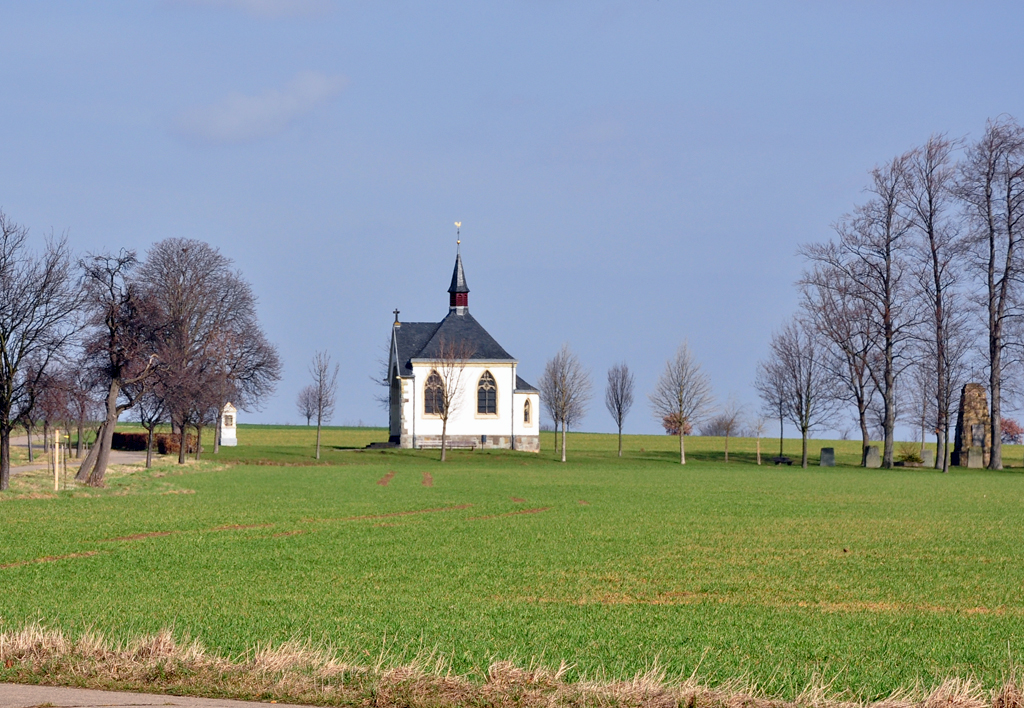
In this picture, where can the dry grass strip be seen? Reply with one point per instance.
(457, 507)
(241, 527)
(139, 536)
(428, 479)
(383, 481)
(49, 559)
(299, 673)
(538, 510)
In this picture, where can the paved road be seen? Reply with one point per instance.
(14, 695)
(117, 457)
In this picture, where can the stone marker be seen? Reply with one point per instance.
(828, 457)
(973, 428)
(873, 459)
(975, 458)
(927, 458)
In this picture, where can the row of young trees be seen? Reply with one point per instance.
(918, 290)
(174, 336)
(681, 398)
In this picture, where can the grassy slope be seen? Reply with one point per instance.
(877, 578)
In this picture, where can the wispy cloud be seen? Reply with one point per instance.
(240, 118)
(267, 8)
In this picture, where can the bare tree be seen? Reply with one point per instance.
(757, 427)
(795, 381)
(39, 301)
(53, 403)
(566, 389)
(873, 255)
(931, 206)
(916, 394)
(383, 377)
(245, 370)
(991, 187)
(151, 412)
(618, 395)
(325, 387)
(208, 341)
(443, 389)
(306, 403)
(730, 419)
(206, 407)
(683, 393)
(119, 348)
(548, 393)
(835, 308)
(83, 400)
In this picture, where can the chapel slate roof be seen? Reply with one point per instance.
(464, 328)
(410, 338)
(521, 385)
(422, 340)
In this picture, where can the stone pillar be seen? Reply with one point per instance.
(973, 429)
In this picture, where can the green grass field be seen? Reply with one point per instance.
(871, 579)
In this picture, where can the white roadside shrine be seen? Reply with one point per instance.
(228, 422)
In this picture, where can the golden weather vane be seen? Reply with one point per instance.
(458, 229)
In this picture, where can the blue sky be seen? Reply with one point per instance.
(628, 174)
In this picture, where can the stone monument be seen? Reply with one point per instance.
(228, 422)
(973, 428)
(873, 459)
(828, 457)
(927, 458)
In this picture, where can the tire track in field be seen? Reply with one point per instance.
(134, 537)
(49, 559)
(158, 534)
(370, 517)
(692, 598)
(538, 510)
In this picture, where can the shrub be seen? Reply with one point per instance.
(164, 443)
(909, 452)
(1012, 432)
(671, 425)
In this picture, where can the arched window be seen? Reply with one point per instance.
(487, 395)
(433, 395)
(526, 411)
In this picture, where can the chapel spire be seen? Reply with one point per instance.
(458, 291)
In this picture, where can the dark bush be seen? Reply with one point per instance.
(164, 443)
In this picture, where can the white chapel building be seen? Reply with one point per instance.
(495, 408)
